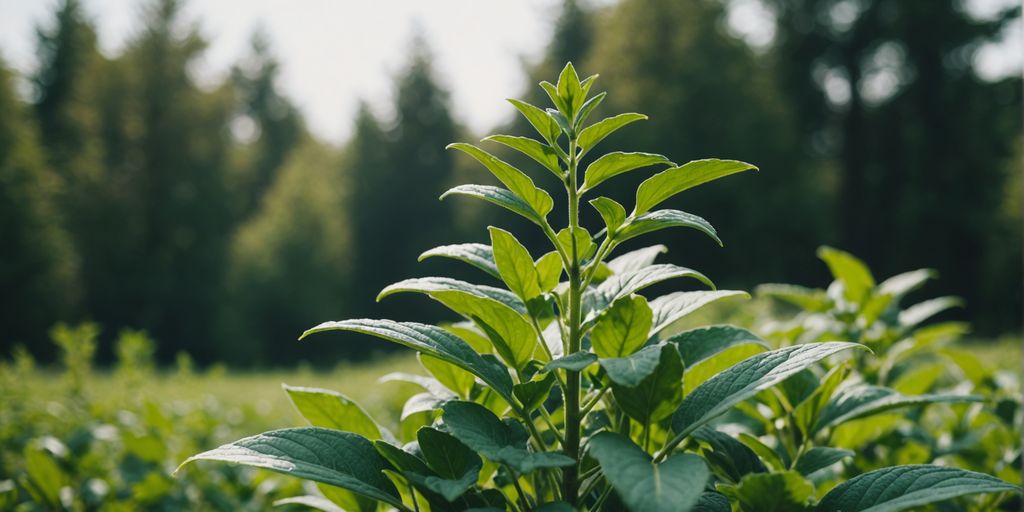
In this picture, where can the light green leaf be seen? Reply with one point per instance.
(555, 98)
(539, 152)
(744, 380)
(517, 181)
(613, 164)
(636, 260)
(570, 90)
(341, 459)
(514, 264)
(700, 372)
(767, 453)
(499, 196)
(503, 443)
(539, 119)
(904, 487)
(585, 246)
(330, 409)
(611, 212)
(576, 361)
(670, 182)
(595, 133)
(429, 340)
(658, 394)
(588, 107)
(622, 285)
(820, 457)
(437, 286)
(549, 271)
(865, 400)
(852, 272)
(452, 377)
(901, 284)
(622, 329)
(696, 345)
(45, 475)
(924, 310)
(670, 308)
(663, 219)
(672, 486)
(809, 299)
(480, 256)
(774, 492)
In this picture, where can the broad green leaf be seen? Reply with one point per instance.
(636, 260)
(503, 443)
(699, 372)
(585, 246)
(924, 310)
(401, 458)
(613, 164)
(533, 393)
(670, 182)
(622, 329)
(549, 271)
(619, 286)
(630, 371)
(727, 456)
(341, 459)
(852, 272)
(901, 284)
(570, 90)
(429, 340)
(454, 378)
(502, 197)
(768, 454)
(595, 133)
(330, 409)
(659, 393)
(820, 457)
(858, 433)
(671, 486)
(904, 487)
(422, 403)
(744, 380)
(663, 219)
(456, 466)
(576, 361)
(479, 255)
(696, 345)
(517, 181)
(774, 492)
(514, 264)
(45, 475)
(712, 502)
(539, 152)
(441, 287)
(539, 119)
(611, 212)
(809, 299)
(670, 308)
(864, 400)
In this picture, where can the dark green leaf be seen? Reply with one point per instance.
(701, 343)
(479, 255)
(672, 486)
(774, 492)
(865, 400)
(576, 361)
(727, 456)
(903, 487)
(636, 260)
(533, 393)
(670, 182)
(630, 371)
(818, 458)
(613, 164)
(619, 286)
(712, 502)
(456, 466)
(656, 396)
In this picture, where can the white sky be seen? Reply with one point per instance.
(334, 52)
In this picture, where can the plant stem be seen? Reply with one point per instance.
(570, 474)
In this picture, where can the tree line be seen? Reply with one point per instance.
(212, 218)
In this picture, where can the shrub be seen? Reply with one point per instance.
(577, 394)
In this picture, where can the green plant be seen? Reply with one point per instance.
(578, 394)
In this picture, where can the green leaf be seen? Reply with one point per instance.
(924, 310)
(575, 362)
(820, 457)
(767, 453)
(630, 371)
(400, 458)
(341, 459)
(539, 119)
(584, 243)
(672, 181)
(744, 380)
(533, 393)
(619, 286)
(314, 502)
(514, 264)
(480, 256)
(501, 442)
(864, 400)
(429, 340)
(852, 272)
(636, 260)
(549, 271)
(727, 456)
(588, 107)
(618, 162)
(672, 486)
(45, 475)
(499, 196)
(696, 345)
(902, 284)
(570, 90)
(808, 299)
(659, 393)
(555, 97)
(622, 329)
(611, 212)
(452, 377)
(663, 219)
(440, 288)
(903, 487)
(457, 467)
(517, 181)
(713, 502)
(595, 133)
(670, 308)
(330, 409)
(774, 492)
(539, 152)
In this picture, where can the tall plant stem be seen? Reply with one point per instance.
(570, 474)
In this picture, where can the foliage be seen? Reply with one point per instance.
(578, 394)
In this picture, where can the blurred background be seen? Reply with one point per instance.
(224, 175)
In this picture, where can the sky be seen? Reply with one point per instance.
(479, 46)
